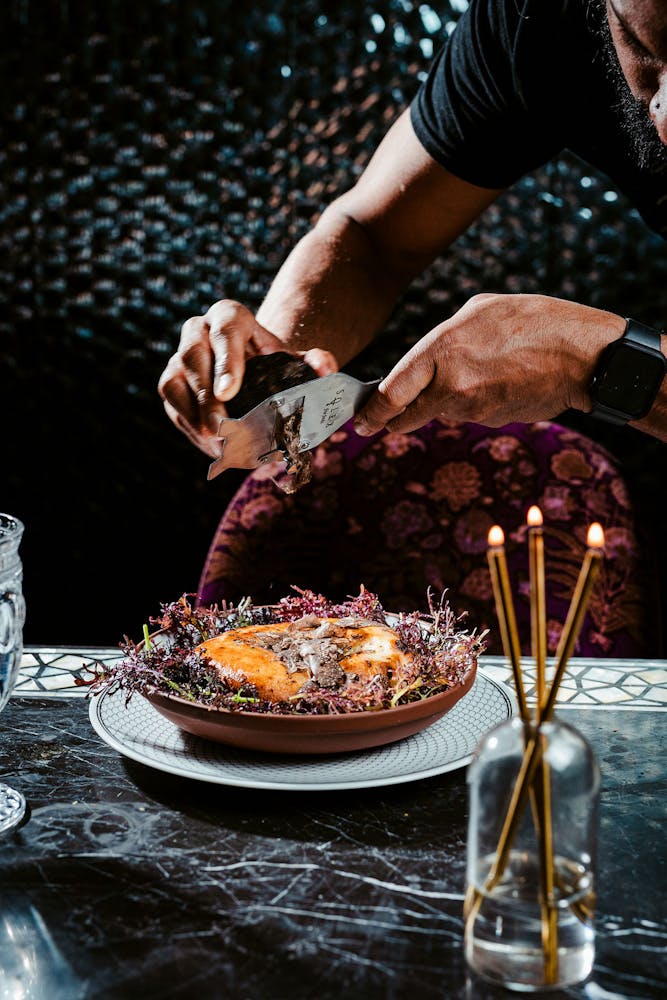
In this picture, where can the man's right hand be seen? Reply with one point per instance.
(207, 369)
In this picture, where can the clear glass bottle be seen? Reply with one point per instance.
(531, 884)
(12, 617)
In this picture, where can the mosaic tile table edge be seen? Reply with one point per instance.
(59, 671)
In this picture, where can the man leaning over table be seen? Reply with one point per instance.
(517, 82)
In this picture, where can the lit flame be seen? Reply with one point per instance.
(534, 517)
(595, 537)
(496, 535)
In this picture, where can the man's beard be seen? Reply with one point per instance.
(645, 143)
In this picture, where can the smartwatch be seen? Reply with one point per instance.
(628, 375)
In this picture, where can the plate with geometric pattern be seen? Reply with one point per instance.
(139, 731)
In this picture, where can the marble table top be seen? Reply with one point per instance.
(126, 881)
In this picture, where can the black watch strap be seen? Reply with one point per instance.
(628, 376)
(608, 415)
(637, 333)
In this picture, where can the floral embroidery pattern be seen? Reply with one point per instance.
(570, 464)
(404, 519)
(471, 531)
(261, 508)
(400, 513)
(503, 447)
(456, 482)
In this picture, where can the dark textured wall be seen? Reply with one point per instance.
(159, 155)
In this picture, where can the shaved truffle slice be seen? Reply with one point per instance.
(298, 463)
(265, 375)
(283, 659)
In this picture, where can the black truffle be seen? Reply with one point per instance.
(265, 375)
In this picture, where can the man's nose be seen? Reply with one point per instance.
(658, 108)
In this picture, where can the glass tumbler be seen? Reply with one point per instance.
(12, 617)
(531, 883)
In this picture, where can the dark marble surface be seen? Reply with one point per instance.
(127, 882)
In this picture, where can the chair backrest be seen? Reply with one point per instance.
(404, 513)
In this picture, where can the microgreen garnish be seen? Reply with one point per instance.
(441, 654)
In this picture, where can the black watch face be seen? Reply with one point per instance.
(630, 381)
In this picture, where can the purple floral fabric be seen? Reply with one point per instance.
(402, 513)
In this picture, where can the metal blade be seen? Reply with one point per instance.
(330, 402)
(326, 404)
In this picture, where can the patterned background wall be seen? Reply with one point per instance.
(159, 155)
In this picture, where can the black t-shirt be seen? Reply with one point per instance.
(519, 81)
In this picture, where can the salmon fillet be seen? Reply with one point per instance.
(279, 659)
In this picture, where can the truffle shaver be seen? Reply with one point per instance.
(325, 404)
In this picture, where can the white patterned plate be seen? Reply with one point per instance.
(140, 732)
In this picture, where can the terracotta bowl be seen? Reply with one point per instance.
(309, 734)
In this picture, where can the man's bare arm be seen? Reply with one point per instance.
(337, 287)
(342, 281)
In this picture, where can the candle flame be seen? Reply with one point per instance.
(595, 537)
(534, 517)
(496, 535)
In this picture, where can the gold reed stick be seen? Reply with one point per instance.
(505, 612)
(541, 795)
(547, 875)
(510, 640)
(575, 615)
(538, 604)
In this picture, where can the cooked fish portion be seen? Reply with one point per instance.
(281, 659)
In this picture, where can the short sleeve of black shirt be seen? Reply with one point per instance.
(521, 80)
(491, 108)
